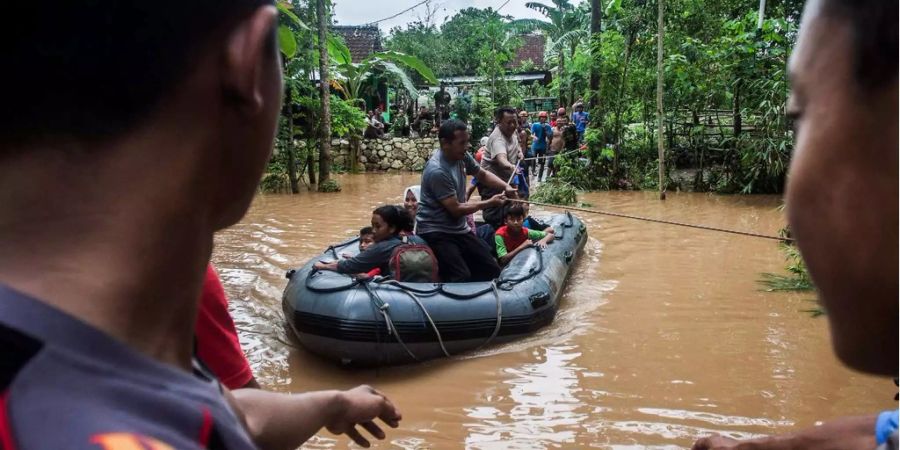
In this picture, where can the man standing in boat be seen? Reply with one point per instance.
(441, 218)
(501, 158)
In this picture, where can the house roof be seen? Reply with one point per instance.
(361, 40)
(532, 49)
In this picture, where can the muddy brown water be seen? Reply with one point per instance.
(663, 334)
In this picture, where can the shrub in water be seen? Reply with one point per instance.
(555, 192)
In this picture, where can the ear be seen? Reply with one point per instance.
(248, 49)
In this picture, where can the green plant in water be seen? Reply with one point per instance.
(555, 192)
(330, 186)
(798, 279)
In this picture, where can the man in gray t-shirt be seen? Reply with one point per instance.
(441, 219)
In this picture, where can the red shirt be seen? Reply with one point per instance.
(217, 340)
(512, 241)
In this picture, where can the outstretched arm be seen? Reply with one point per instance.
(493, 181)
(277, 421)
(457, 209)
(843, 433)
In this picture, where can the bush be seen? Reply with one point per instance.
(555, 192)
(330, 186)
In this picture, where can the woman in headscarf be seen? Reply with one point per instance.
(411, 203)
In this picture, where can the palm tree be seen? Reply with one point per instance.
(564, 27)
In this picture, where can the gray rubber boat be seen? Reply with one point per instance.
(383, 322)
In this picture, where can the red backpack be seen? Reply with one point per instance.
(413, 263)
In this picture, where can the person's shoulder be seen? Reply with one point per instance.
(113, 407)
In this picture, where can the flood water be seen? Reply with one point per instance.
(663, 334)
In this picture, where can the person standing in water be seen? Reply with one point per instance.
(543, 137)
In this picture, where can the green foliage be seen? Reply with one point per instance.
(352, 76)
(555, 192)
(330, 186)
(797, 279)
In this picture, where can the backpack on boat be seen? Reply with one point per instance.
(413, 263)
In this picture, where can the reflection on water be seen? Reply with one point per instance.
(662, 334)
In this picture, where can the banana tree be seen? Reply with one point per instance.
(350, 77)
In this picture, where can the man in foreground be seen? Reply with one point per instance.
(842, 200)
(441, 219)
(112, 184)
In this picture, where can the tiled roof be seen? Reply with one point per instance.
(532, 49)
(362, 41)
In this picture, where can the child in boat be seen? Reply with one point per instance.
(366, 239)
(388, 224)
(512, 238)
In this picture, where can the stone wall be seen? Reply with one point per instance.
(386, 154)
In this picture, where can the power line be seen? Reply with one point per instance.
(501, 6)
(399, 13)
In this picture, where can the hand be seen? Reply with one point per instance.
(361, 406)
(511, 192)
(716, 442)
(526, 244)
(542, 245)
(320, 266)
(346, 255)
(496, 201)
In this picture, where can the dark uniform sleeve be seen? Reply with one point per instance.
(375, 256)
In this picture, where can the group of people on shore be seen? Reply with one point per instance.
(113, 183)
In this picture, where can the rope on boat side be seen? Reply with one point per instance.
(650, 219)
(499, 315)
(383, 309)
(430, 321)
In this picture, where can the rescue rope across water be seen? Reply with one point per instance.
(650, 219)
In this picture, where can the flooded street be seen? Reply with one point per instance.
(663, 334)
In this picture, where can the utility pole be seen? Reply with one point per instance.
(596, 11)
(325, 92)
(660, 85)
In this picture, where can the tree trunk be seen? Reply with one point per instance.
(736, 123)
(572, 96)
(660, 130)
(354, 153)
(291, 150)
(762, 14)
(325, 92)
(310, 165)
(621, 100)
(560, 73)
(594, 84)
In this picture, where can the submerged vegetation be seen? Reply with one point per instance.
(555, 192)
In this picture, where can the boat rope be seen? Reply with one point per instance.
(434, 327)
(383, 308)
(535, 158)
(499, 316)
(654, 220)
